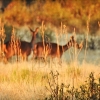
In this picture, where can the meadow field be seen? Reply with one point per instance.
(36, 80)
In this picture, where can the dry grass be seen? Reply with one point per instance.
(26, 80)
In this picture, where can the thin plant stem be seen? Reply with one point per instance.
(86, 38)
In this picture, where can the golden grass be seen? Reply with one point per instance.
(27, 80)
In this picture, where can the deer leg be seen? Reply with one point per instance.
(51, 60)
(25, 58)
(44, 60)
(5, 60)
(34, 57)
(60, 62)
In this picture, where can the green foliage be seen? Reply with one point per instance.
(88, 91)
(22, 75)
(8, 31)
(25, 75)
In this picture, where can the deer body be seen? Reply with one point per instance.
(25, 48)
(53, 49)
(22, 48)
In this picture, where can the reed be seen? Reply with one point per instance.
(2, 38)
(86, 44)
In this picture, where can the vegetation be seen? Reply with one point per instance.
(20, 81)
(35, 80)
(88, 91)
(72, 13)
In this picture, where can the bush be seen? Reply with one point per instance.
(88, 91)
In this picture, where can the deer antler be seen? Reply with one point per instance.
(31, 29)
(35, 29)
(34, 32)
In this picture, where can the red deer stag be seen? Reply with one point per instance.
(23, 47)
(42, 50)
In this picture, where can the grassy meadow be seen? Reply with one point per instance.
(31, 80)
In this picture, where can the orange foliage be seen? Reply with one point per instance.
(17, 13)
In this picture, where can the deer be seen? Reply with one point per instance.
(42, 50)
(22, 47)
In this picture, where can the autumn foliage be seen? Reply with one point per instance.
(72, 13)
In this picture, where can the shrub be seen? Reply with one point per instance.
(88, 91)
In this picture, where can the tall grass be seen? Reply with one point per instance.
(26, 81)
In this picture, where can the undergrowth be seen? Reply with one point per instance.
(89, 90)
